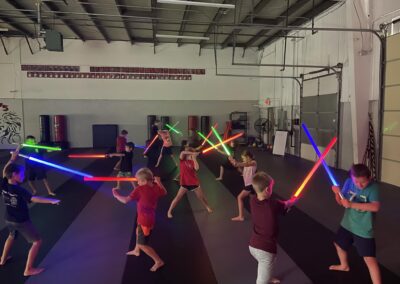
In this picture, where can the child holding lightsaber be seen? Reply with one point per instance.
(188, 179)
(34, 171)
(126, 165)
(146, 194)
(16, 200)
(249, 166)
(167, 146)
(360, 198)
(264, 216)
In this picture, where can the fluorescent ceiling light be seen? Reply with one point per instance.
(183, 37)
(193, 3)
(3, 30)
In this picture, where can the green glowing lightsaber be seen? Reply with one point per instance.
(220, 140)
(173, 129)
(42, 147)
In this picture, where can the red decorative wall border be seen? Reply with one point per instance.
(51, 68)
(91, 75)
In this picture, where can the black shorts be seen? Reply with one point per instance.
(36, 173)
(26, 229)
(365, 246)
(141, 238)
(250, 189)
(167, 151)
(190, 187)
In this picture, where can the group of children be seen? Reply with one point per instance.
(359, 197)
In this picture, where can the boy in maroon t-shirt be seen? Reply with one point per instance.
(147, 195)
(189, 181)
(264, 216)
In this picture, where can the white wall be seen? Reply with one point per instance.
(125, 102)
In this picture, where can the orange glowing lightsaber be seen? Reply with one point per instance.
(87, 156)
(224, 142)
(151, 143)
(109, 179)
(209, 134)
(315, 167)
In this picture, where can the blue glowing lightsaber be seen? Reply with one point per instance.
(55, 166)
(327, 169)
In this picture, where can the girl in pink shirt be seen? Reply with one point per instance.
(249, 166)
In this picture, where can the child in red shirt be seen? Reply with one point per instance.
(120, 146)
(189, 181)
(147, 195)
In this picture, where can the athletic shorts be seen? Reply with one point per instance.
(250, 189)
(365, 246)
(167, 151)
(190, 187)
(124, 174)
(142, 238)
(26, 229)
(36, 173)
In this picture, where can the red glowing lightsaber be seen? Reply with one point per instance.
(316, 165)
(224, 142)
(87, 156)
(209, 134)
(109, 179)
(151, 143)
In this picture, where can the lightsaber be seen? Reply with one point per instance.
(151, 143)
(327, 169)
(54, 166)
(41, 147)
(209, 134)
(207, 140)
(315, 167)
(220, 140)
(109, 179)
(224, 142)
(173, 129)
(87, 156)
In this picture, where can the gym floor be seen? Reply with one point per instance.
(86, 237)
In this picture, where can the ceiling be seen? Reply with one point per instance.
(254, 23)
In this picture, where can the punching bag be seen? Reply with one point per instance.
(150, 122)
(44, 122)
(60, 130)
(192, 127)
(164, 121)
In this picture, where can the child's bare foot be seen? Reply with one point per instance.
(209, 210)
(275, 281)
(135, 252)
(238, 219)
(156, 266)
(218, 178)
(3, 262)
(33, 271)
(169, 214)
(52, 193)
(339, 267)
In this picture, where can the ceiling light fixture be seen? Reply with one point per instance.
(192, 3)
(183, 37)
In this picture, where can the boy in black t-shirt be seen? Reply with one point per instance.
(16, 200)
(126, 162)
(152, 158)
(35, 171)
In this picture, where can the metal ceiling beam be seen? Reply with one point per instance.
(281, 20)
(122, 11)
(229, 38)
(18, 27)
(53, 8)
(30, 15)
(183, 24)
(218, 16)
(249, 19)
(302, 20)
(88, 9)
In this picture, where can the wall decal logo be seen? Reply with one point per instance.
(10, 125)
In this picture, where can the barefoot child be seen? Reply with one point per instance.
(35, 171)
(361, 200)
(147, 195)
(152, 158)
(16, 200)
(126, 165)
(264, 216)
(166, 149)
(120, 146)
(188, 179)
(249, 170)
